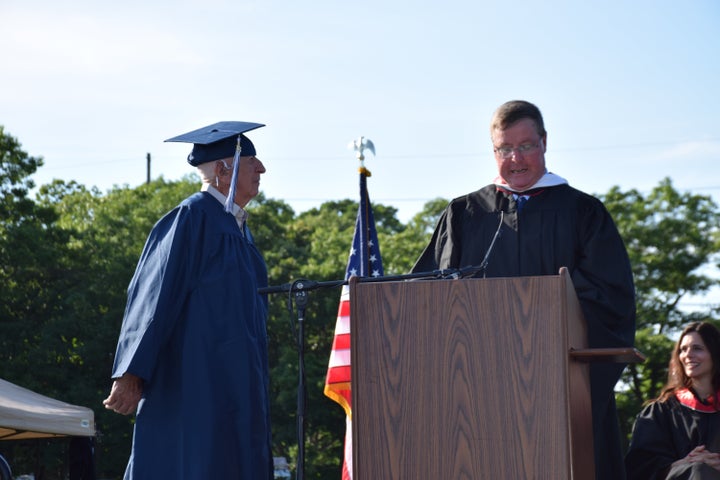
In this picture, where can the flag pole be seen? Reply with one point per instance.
(363, 262)
(360, 145)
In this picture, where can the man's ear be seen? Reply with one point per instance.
(220, 169)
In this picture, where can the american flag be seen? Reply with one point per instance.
(364, 261)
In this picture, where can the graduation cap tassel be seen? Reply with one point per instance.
(236, 165)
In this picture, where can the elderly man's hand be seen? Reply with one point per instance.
(125, 394)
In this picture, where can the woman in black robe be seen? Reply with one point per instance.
(677, 435)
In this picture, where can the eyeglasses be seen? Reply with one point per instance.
(523, 148)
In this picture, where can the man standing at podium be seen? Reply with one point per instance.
(545, 224)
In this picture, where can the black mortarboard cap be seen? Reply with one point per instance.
(217, 141)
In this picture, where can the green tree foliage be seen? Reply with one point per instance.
(16, 167)
(66, 258)
(673, 240)
(31, 273)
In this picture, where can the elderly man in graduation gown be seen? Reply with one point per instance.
(547, 224)
(192, 353)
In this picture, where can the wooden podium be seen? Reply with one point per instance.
(471, 379)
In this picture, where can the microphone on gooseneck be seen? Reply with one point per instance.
(470, 271)
(485, 261)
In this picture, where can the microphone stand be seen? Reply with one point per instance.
(301, 301)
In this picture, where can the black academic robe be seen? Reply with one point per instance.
(558, 227)
(665, 432)
(195, 332)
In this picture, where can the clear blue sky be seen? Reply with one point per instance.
(629, 90)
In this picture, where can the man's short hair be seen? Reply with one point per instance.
(510, 112)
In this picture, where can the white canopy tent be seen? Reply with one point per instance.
(25, 414)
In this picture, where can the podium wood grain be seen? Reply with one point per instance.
(469, 379)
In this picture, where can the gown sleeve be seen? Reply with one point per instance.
(156, 294)
(430, 260)
(653, 445)
(603, 280)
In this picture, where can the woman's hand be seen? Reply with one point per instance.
(700, 454)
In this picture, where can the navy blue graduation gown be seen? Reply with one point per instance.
(558, 226)
(195, 332)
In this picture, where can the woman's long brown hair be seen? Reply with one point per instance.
(677, 379)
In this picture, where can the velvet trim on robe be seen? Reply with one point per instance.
(559, 227)
(689, 398)
(665, 432)
(195, 331)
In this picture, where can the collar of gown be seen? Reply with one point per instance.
(238, 212)
(547, 180)
(688, 398)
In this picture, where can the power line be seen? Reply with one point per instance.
(424, 155)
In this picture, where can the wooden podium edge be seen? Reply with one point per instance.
(608, 355)
(589, 355)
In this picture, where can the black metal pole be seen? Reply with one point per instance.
(301, 301)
